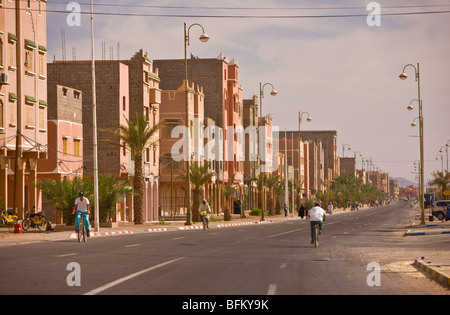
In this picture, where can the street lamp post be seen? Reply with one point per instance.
(308, 119)
(403, 76)
(203, 38)
(343, 149)
(261, 96)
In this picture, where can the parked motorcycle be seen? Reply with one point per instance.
(34, 220)
(8, 218)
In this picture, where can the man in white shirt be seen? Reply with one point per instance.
(82, 207)
(316, 214)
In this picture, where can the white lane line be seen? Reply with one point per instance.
(66, 255)
(333, 222)
(133, 275)
(283, 265)
(134, 245)
(177, 238)
(284, 233)
(272, 289)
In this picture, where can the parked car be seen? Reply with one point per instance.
(440, 209)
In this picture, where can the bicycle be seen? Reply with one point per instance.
(204, 217)
(316, 233)
(81, 232)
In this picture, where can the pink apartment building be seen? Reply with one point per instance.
(65, 140)
(219, 78)
(125, 88)
(23, 100)
(172, 144)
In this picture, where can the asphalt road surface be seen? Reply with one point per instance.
(266, 259)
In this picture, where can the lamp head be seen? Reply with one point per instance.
(309, 119)
(413, 124)
(274, 92)
(403, 76)
(204, 38)
(410, 108)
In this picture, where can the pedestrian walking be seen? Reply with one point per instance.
(285, 210)
(301, 212)
(330, 207)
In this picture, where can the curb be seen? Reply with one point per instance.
(192, 227)
(410, 233)
(156, 230)
(234, 224)
(97, 234)
(434, 272)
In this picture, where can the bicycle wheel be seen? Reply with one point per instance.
(204, 222)
(316, 236)
(43, 225)
(80, 230)
(26, 223)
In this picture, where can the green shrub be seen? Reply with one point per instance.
(255, 212)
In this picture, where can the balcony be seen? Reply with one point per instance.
(155, 96)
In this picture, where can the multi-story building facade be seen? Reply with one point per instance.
(23, 101)
(173, 199)
(251, 163)
(223, 103)
(348, 165)
(124, 89)
(65, 140)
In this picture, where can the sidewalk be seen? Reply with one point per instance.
(436, 266)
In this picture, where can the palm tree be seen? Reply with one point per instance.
(135, 137)
(260, 182)
(271, 181)
(199, 176)
(278, 190)
(441, 180)
(346, 187)
(228, 191)
(62, 194)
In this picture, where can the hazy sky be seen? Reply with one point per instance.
(341, 71)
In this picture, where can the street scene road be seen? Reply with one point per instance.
(264, 259)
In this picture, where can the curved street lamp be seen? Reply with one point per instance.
(404, 76)
(203, 38)
(261, 96)
(343, 149)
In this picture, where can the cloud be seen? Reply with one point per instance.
(340, 70)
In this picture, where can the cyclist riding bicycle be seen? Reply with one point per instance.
(316, 216)
(204, 212)
(82, 208)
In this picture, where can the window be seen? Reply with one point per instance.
(41, 118)
(29, 112)
(1, 52)
(41, 64)
(65, 142)
(1, 114)
(124, 103)
(147, 155)
(29, 59)
(11, 55)
(12, 114)
(76, 147)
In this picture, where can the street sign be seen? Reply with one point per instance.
(446, 192)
